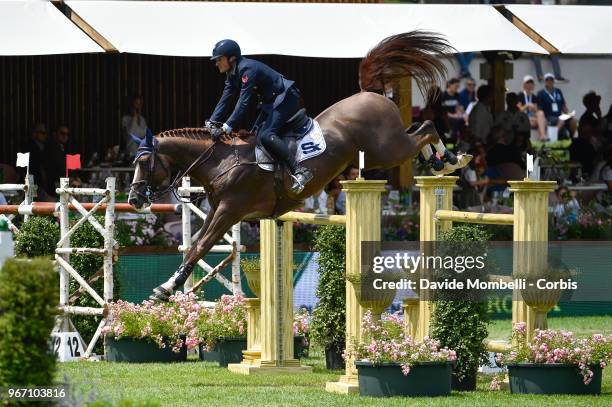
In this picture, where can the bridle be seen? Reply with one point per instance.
(151, 195)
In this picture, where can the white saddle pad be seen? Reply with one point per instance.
(311, 145)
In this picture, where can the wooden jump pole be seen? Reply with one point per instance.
(530, 228)
(51, 208)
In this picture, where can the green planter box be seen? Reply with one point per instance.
(230, 350)
(141, 351)
(208, 356)
(532, 378)
(427, 379)
(301, 347)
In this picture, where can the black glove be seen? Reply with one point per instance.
(216, 133)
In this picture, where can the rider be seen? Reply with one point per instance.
(279, 100)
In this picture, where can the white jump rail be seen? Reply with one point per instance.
(28, 192)
(232, 239)
(63, 251)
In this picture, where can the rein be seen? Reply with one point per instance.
(152, 196)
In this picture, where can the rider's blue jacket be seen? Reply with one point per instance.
(250, 78)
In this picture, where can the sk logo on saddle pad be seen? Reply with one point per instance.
(309, 146)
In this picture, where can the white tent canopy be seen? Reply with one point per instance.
(36, 27)
(570, 29)
(297, 29)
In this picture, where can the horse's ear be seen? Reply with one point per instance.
(149, 137)
(135, 139)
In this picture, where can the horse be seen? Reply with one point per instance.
(238, 189)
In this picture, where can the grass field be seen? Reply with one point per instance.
(197, 383)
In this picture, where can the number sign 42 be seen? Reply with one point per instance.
(67, 346)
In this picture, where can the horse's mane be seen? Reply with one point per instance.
(198, 133)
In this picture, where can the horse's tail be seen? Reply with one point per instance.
(415, 53)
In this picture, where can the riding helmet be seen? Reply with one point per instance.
(228, 48)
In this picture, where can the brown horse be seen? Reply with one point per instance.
(238, 189)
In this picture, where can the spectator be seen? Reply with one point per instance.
(582, 149)
(435, 112)
(468, 94)
(500, 152)
(464, 59)
(528, 104)
(512, 120)
(333, 192)
(552, 102)
(566, 209)
(55, 157)
(133, 123)
(607, 126)
(452, 104)
(316, 203)
(554, 60)
(350, 174)
(591, 102)
(36, 147)
(481, 119)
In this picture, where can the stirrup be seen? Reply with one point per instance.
(300, 179)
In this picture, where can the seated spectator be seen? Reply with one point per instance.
(333, 192)
(607, 126)
(133, 123)
(556, 65)
(512, 120)
(36, 147)
(481, 118)
(528, 104)
(566, 209)
(552, 103)
(473, 184)
(454, 110)
(55, 157)
(582, 149)
(351, 173)
(500, 152)
(592, 114)
(468, 94)
(316, 203)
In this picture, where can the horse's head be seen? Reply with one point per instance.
(152, 172)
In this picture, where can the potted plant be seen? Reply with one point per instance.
(391, 363)
(152, 332)
(328, 324)
(223, 328)
(301, 332)
(555, 362)
(460, 317)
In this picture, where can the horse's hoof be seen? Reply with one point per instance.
(436, 164)
(462, 161)
(160, 294)
(449, 157)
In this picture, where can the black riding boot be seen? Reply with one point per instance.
(277, 147)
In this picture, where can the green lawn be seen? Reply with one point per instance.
(581, 326)
(197, 383)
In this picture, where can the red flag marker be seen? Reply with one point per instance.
(73, 162)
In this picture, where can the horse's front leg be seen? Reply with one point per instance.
(214, 228)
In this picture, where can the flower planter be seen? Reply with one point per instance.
(300, 347)
(208, 356)
(386, 379)
(333, 358)
(467, 384)
(137, 350)
(532, 378)
(230, 350)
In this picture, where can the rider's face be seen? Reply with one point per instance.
(223, 64)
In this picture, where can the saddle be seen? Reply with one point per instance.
(303, 136)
